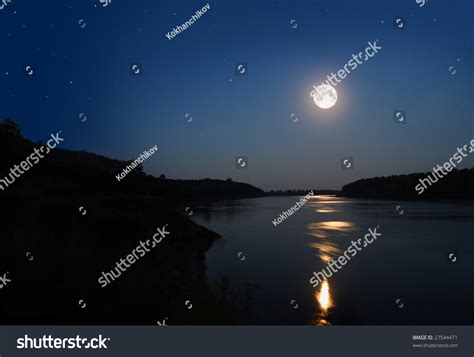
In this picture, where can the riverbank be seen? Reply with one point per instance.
(68, 219)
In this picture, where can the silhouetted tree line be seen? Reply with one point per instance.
(300, 192)
(456, 185)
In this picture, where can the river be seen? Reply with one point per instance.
(419, 271)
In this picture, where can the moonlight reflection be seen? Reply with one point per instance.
(325, 302)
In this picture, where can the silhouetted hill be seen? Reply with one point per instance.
(457, 185)
(88, 160)
(71, 214)
(89, 166)
(138, 182)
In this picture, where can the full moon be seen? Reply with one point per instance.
(325, 96)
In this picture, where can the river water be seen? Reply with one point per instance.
(419, 271)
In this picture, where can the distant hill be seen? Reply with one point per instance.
(138, 182)
(457, 185)
(91, 169)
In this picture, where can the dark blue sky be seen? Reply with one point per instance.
(86, 70)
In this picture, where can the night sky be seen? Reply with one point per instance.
(81, 54)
